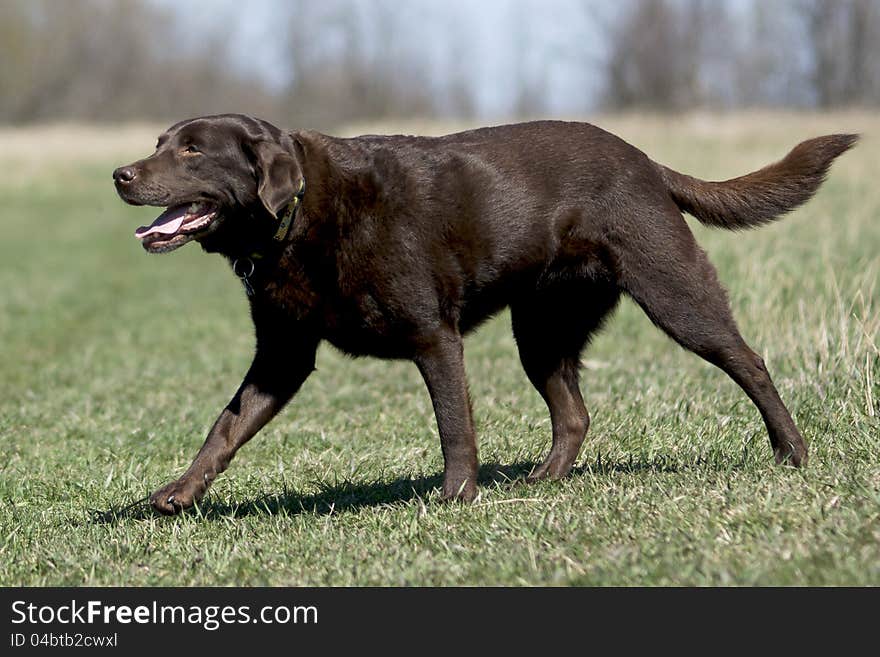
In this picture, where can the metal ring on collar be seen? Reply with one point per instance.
(247, 263)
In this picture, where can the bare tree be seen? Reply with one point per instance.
(357, 69)
(824, 25)
(458, 96)
(655, 55)
(530, 85)
(841, 40)
(770, 69)
(864, 52)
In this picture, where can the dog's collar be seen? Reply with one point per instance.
(286, 219)
(244, 266)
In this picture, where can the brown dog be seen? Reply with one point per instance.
(398, 246)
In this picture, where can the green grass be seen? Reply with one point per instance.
(113, 364)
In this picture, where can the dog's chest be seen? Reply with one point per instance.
(356, 319)
(288, 289)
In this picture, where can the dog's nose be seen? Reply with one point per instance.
(124, 174)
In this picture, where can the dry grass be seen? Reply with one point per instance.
(26, 152)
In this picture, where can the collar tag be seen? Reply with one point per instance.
(287, 218)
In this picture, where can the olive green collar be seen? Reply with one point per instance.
(244, 266)
(286, 219)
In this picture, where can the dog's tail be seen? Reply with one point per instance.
(762, 196)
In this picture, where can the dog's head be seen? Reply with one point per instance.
(219, 177)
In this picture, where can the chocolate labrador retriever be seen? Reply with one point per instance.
(397, 246)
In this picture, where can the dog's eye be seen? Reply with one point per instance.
(191, 150)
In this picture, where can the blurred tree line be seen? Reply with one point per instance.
(798, 53)
(117, 60)
(349, 60)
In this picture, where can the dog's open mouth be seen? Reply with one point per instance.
(178, 225)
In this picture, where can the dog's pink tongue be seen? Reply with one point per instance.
(167, 223)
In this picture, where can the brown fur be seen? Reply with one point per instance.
(402, 245)
(763, 196)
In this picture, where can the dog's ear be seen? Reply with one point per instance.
(278, 176)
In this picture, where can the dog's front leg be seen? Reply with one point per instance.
(441, 363)
(273, 378)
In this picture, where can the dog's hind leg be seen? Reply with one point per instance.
(551, 329)
(675, 284)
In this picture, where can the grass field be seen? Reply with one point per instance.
(113, 364)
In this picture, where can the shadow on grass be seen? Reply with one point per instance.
(350, 496)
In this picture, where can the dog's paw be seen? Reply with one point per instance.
(792, 454)
(174, 498)
(455, 489)
(552, 468)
